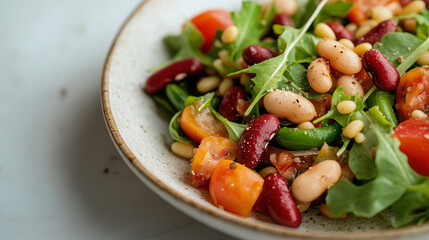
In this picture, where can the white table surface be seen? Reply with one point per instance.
(60, 175)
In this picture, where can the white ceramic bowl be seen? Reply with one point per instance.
(140, 132)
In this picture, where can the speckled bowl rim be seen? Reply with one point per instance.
(264, 227)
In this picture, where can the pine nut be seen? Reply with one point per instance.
(217, 64)
(288, 7)
(362, 48)
(350, 85)
(241, 63)
(416, 6)
(362, 31)
(347, 43)
(360, 138)
(352, 27)
(268, 40)
(230, 34)
(302, 206)
(353, 128)
(380, 13)
(183, 149)
(423, 58)
(244, 79)
(207, 84)
(264, 172)
(409, 25)
(224, 57)
(395, 7)
(324, 31)
(370, 22)
(325, 211)
(418, 114)
(305, 125)
(225, 85)
(346, 107)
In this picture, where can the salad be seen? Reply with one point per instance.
(291, 105)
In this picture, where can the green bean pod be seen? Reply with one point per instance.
(176, 95)
(385, 102)
(304, 139)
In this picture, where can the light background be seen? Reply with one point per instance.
(60, 175)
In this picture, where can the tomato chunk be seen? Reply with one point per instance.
(414, 137)
(198, 125)
(208, 23)
(207, 156)
(413, 92)
(235, 187)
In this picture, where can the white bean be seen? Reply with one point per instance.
(340, 57)
(319, 75)
(311, 184)
(289, 105)
(350, 86)
(288, 7)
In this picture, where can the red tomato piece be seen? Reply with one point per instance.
(198, 125)
(414, 137)
(235, 188)
(413, 92)
(207, 156)
(208, 23)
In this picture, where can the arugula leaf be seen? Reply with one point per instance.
(175, 130)
(422, 30)
(268, 18)
(397, 46)
(190, 99)
(164, 103)
(335, 9)
(234, 129)
(305, 9)
(337, 97)
(172, 42)
(270, 72)
(185, 45)
(393, 177)
(412, 58)
(248, 22)
(304, 51)
(413, 207)
(361, 157)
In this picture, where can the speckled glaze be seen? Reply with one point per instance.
(140, 132)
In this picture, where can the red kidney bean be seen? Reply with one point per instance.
(340, 31)
(404, 2)
(255, 138)
(176, 71)
(427, 3)
(279, 201)
(284, 20)
(378, 32)
(382, 72)
(228, 106)
(254, 54)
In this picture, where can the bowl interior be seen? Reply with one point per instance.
(140, 128)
